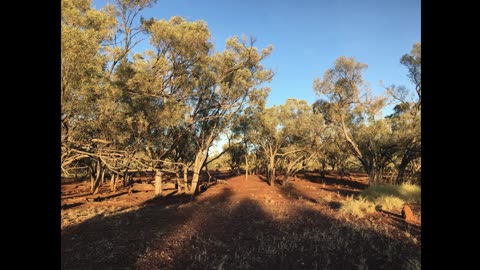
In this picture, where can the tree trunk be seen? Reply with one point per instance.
(158, 183)
(178, 185)
(246, 168)
(92, 179)
(322, 173)
(196, 173)
(401, 171)
(103, 176)
(113, 183)
(287, 177)
(185, 178)
(98, 175)
(375, 176)
(271, 172)
(272, 177)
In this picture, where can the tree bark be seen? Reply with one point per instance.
(401, 170)
(185, 178)
(112, 183)
(98, 175)
(158, 183)
(196, 173)
(374, 176)
(246, 168)
(92, 179)
(322, 173)
(103, 175)
(271, 171)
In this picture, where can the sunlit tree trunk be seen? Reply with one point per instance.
(197, 166)
(103, 175)
(158, 183)
(185, 178)
(271, 171)
(112, 183)
(98, 175)
(246, 168)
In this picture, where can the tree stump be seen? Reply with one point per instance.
(407, 213)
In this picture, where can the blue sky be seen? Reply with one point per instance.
(307, 36)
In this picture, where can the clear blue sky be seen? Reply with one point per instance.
(307, 36)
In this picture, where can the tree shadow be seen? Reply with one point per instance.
(291, 192)
(216, 232)
(334, 205)
(72, 205)
(308, 239)
(116, 241)
(264, 179)
(330, 180)
(343, 192)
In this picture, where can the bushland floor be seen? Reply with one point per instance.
(234, 225)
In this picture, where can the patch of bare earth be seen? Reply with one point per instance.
(237, 225)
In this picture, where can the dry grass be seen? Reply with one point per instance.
(357, 207)
(408, 193)
(386, 197)
(389, 203)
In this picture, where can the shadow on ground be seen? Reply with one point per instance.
(218, 232)
(333, 180)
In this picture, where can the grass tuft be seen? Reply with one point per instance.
(357, 207)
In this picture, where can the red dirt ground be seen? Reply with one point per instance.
(237, 225)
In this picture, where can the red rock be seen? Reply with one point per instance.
(407, 213)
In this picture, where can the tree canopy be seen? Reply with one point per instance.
(163, 109)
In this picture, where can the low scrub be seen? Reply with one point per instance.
(409, 193)
(386, 197)
(357, 206)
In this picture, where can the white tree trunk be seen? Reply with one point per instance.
(196, 172)
(158, 182)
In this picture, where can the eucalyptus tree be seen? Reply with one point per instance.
(231, 81)
(159, 108)
(200, 90)
(83, 32)
(356, 113)
(406, 118)
(286, 135)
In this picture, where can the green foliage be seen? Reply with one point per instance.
(167, 104)
(172, 101)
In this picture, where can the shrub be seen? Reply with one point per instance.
(357, 207)
(387, 197)
(389, 203)
(409, 193)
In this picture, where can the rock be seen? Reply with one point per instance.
(407, 213)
